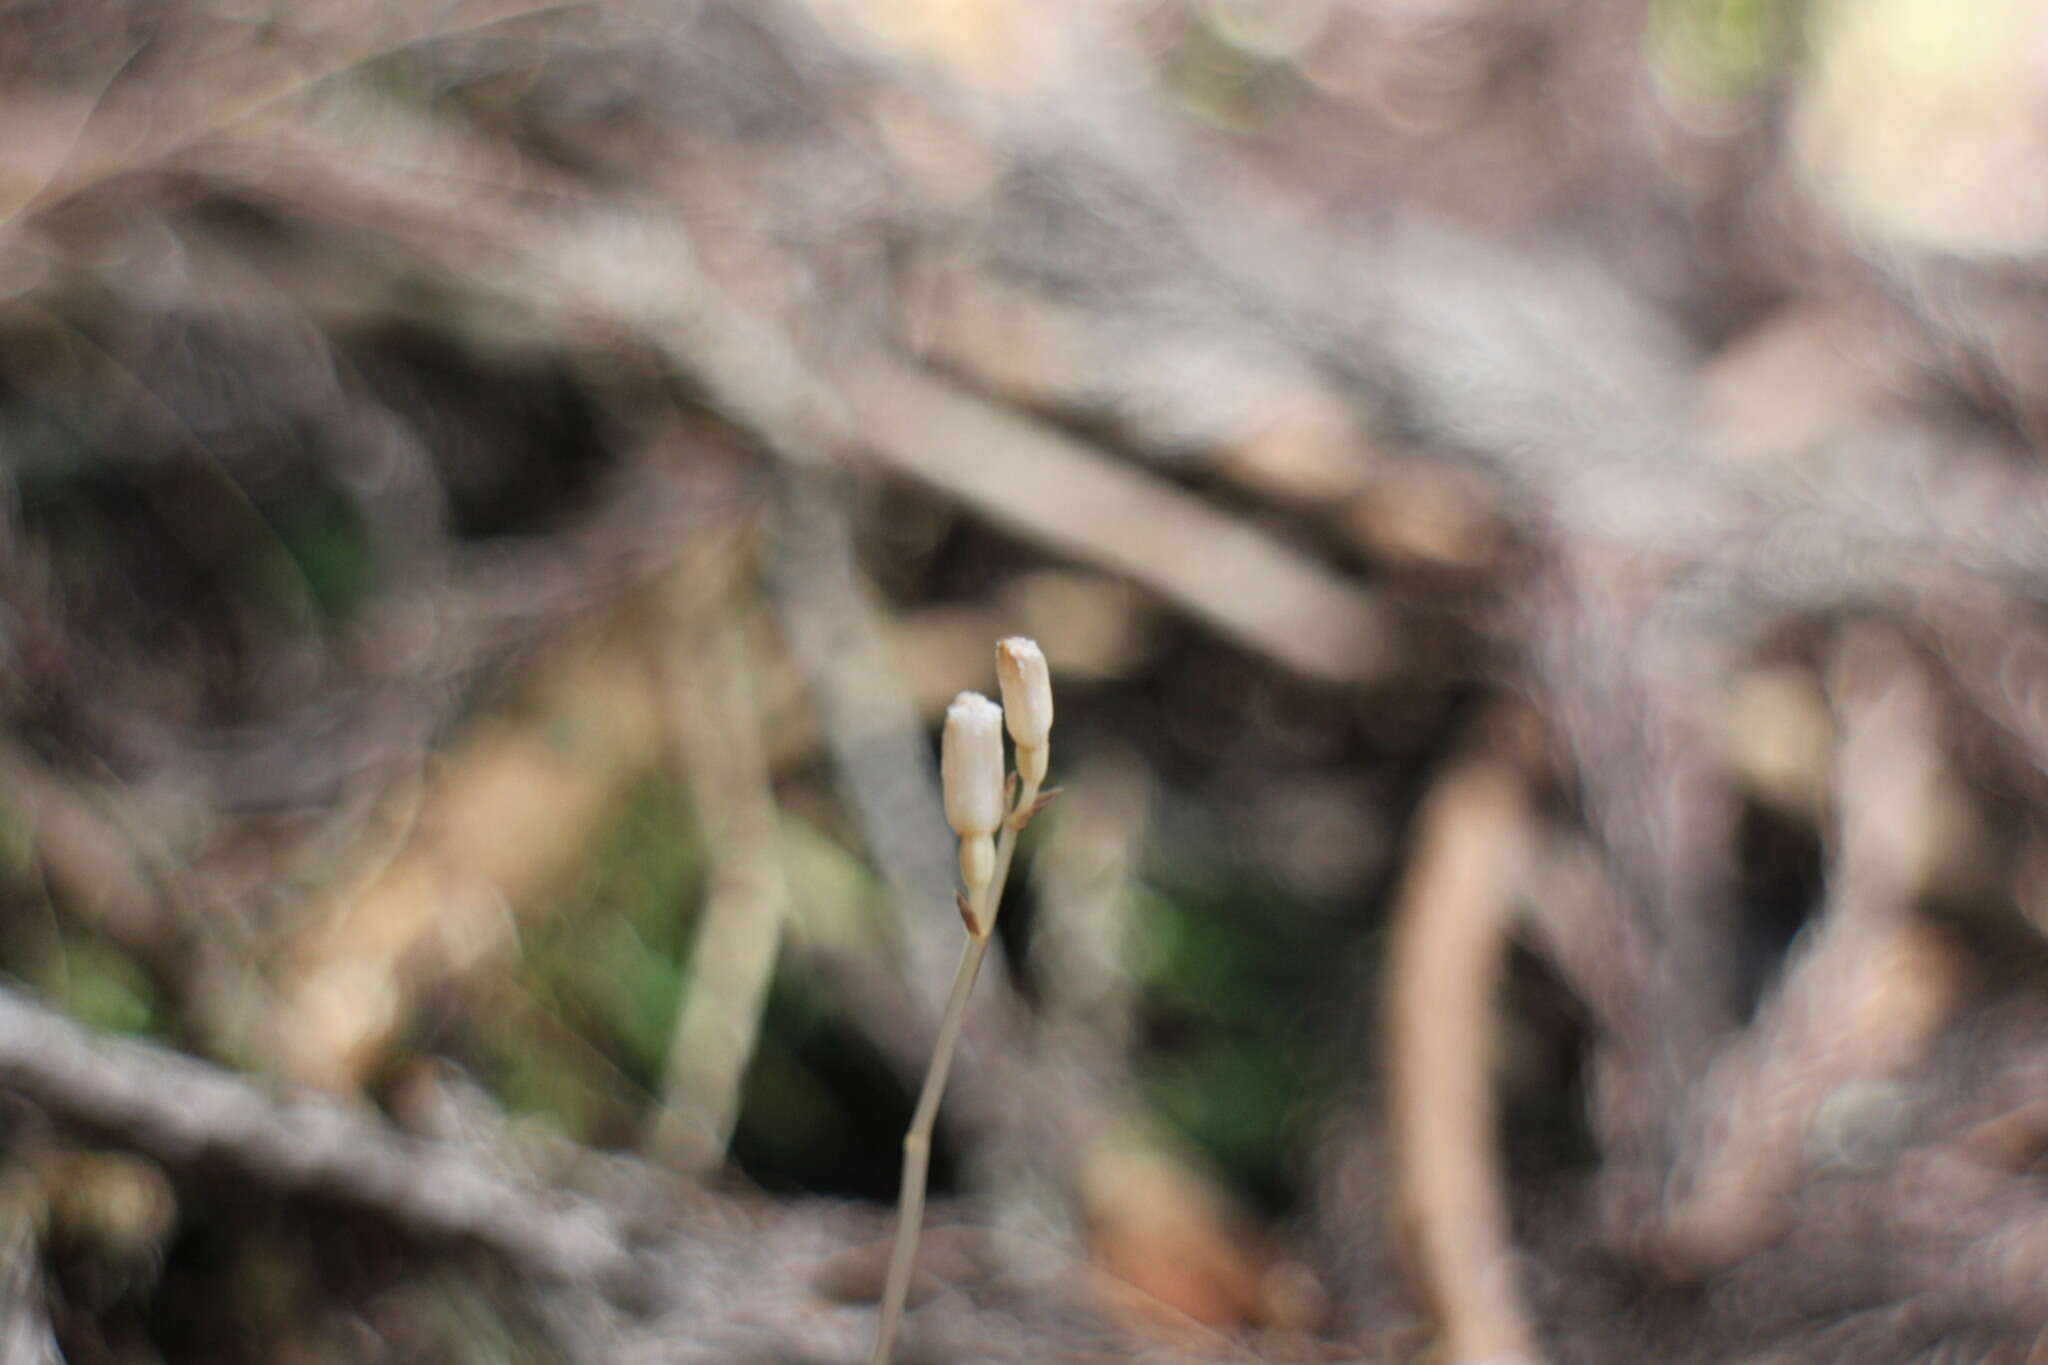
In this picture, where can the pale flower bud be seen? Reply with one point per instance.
(1027, 702)
(971, 765)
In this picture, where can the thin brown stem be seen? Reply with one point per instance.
(917, 1142)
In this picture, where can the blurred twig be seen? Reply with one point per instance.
(882, 761)
(1444, 966)
(1071, 498)
(1869, 989)
(704, 665)
(177, 1109)
(641, 1269)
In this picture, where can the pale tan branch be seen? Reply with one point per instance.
(1444, 968)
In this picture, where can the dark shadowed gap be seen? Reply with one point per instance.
(1779, 888)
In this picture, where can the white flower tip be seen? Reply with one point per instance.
(971, 765)
(1027, 691)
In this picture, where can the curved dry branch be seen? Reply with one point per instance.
(1444, 967)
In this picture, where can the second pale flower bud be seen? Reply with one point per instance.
(1027, 702)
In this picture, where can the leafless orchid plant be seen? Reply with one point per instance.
(986, 811)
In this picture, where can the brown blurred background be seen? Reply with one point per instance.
(1536, 517)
